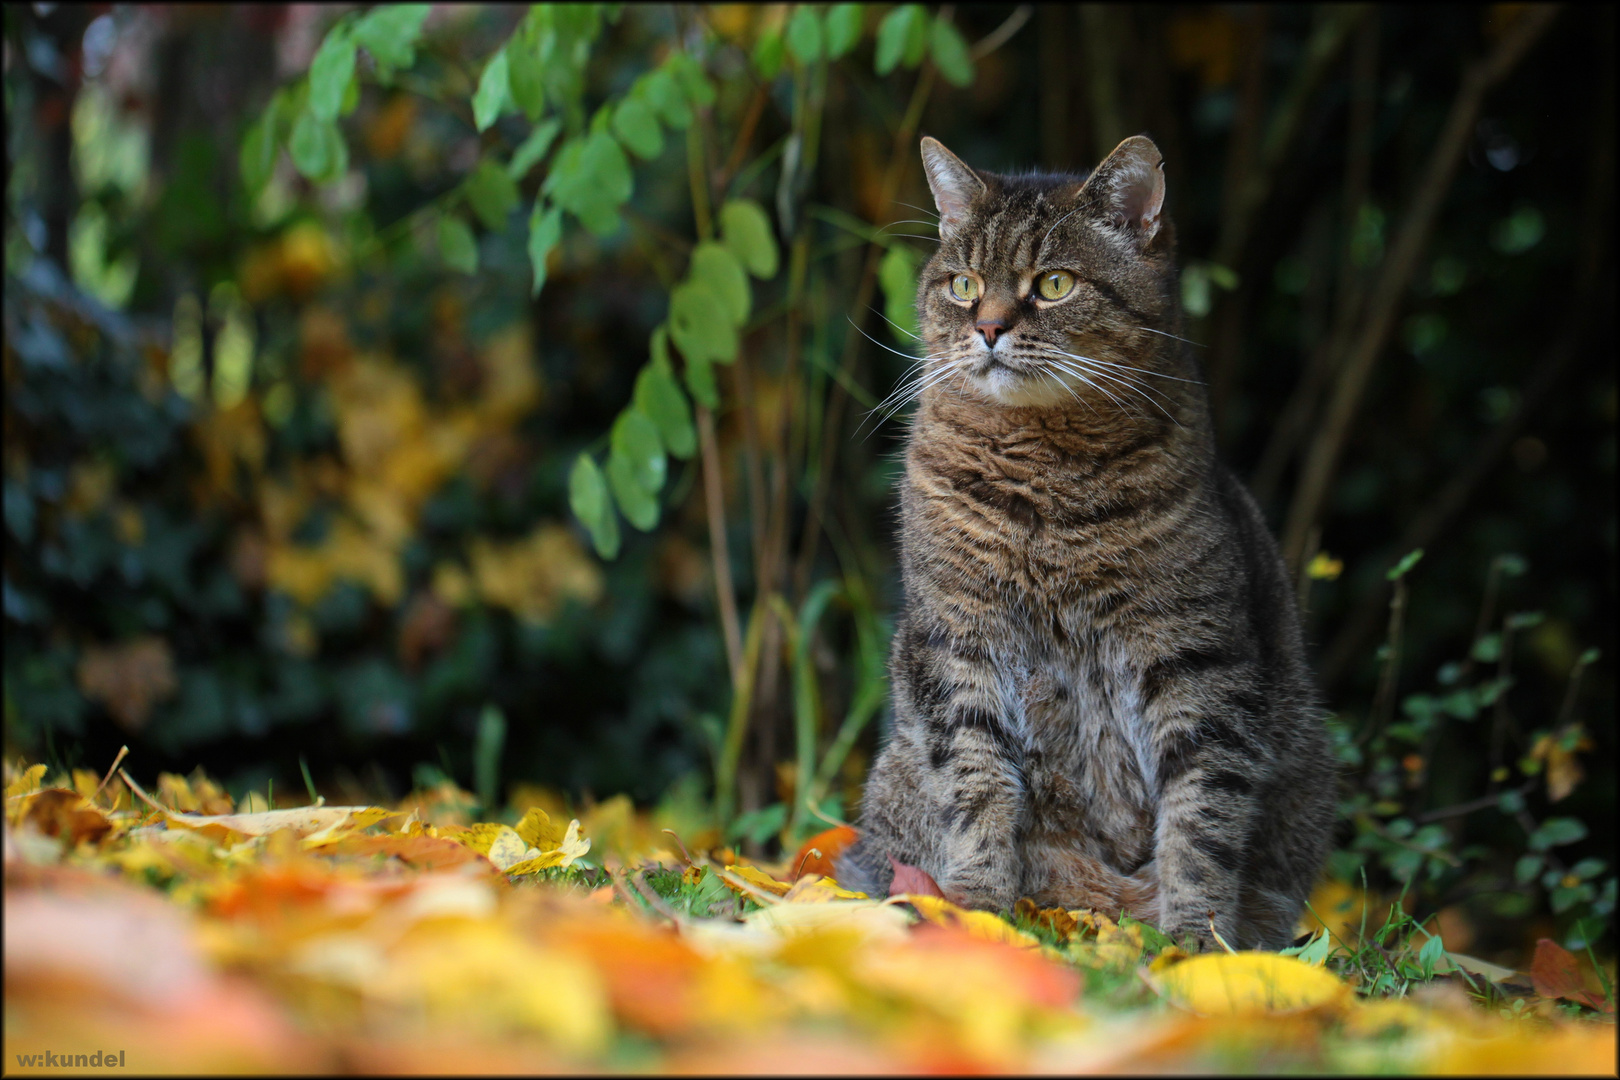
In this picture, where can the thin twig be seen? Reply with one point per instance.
(1002, 34)
(123, 752)
(715, 502)
(1396, 274)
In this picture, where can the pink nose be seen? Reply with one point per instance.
(991, 329)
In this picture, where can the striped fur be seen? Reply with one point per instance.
(1100, 692)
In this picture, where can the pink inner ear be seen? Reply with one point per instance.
(1139, 195)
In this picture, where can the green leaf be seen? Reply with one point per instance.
(804, 34)
(1409, 560)
(901, 36)
(659, 396)
(694, 83)
(456, 244)
(330, 72)
(843, 29)
(1524, 620)
(897, 274)
(1526, 869)
(257, 159)
(715, 266)
(492, 194)
(769, 52)
(661, 90)
(1556, 831)
(532, 149)
(1510, 801)
(591, 179)
(640, 506)
(545, 229)
(746, 230)
(1588, 868)
(588, 498)
(1223, 276)
(700, 381)
(1195, 289)
(1488, 649)
(950, 54)
(1430, 955)
(525, 76)
(317, 148)
(635, 122)
(493, 92)
(389, 32)
(635, 438)
(700, 324)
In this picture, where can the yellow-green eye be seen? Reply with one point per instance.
(1054, 284)
(964, 287)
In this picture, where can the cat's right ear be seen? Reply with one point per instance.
(954, 184)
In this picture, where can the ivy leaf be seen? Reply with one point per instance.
(532, 149)
(659, 396)
(901, 36)
(843, 29)
(950, 54)
(897, 274)
(588, 498)
(636, 125)
(700, 324)
(389, 32)
(493, 91)
(1556, 831)
(746, 230)
(317, 148)
(492, 193)
(804, 34)
(456, 244)
(715, 266)
(257, 159)
(525, 76)
(331, 71)
(769, 52)
(545, 229)
(663, 92)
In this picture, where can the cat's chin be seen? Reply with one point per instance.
(1001, 385)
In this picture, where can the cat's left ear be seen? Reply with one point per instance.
(954, 184)
(1129, 187)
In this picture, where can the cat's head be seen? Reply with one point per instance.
(1049, 289)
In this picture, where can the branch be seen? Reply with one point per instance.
(1001, 34)
(715, 502)
(1396, 274)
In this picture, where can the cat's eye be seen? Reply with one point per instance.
(1054, 284)
(964, 287)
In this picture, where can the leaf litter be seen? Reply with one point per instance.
(188, 934)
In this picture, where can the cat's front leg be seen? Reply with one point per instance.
(1209, 775)
(975, 775)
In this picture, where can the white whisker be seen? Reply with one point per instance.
(1161, 333)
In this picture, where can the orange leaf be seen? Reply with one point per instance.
(818, 852)
(912, 881)
(1557, 974)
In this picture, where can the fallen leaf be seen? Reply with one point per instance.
(749, 880)
(817, 854)
(66, 815)
(912, 881)
(980, 924)
(1557, 974)
(1229, 984)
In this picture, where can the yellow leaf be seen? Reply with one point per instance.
(572, 847)
(506, 847)
(981, 924)
(1227, 984)
(302, 820)
(27, 780)
(538, 830)
(814, 889)
(750, 880)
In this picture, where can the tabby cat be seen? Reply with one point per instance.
(1101, 698)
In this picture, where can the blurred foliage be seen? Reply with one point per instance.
(366, 368)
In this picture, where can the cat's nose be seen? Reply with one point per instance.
(991, 329)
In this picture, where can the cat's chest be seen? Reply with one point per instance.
(1080, 714)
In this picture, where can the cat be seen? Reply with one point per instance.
(1101, 697)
